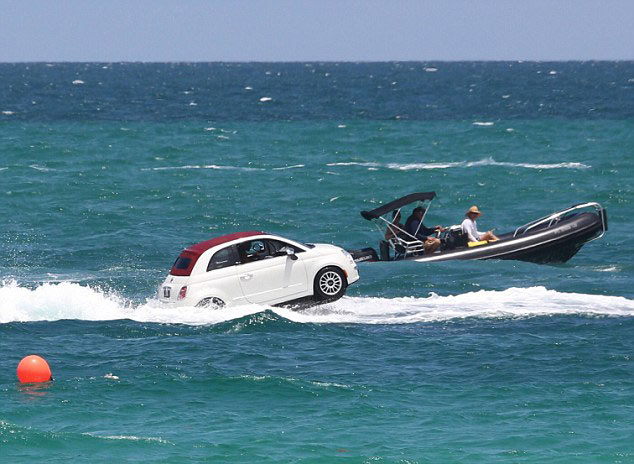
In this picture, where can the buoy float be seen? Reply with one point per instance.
(34, 369)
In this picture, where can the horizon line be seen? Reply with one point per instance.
(426, 61)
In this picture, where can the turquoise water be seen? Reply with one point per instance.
(107, 171)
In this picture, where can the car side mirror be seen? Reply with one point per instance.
(289, 252)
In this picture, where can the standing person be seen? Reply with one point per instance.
(416, 228)
(470, 227)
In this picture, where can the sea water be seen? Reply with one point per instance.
(108, 170)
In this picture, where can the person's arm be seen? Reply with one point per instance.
(424, 230)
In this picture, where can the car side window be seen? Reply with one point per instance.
(255, 250)
(277, 246)
(223, 258)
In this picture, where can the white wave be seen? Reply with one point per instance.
(463, 164)
(510, 303)
(265, 99)
(491, 162)
(354, 163)
(415, 166)
(483, 123)
(8, 113)
(607, 268)
(295, 166)
(66, 300)
(130, 438)
(78, 82)
(39, 168)
(200, 166)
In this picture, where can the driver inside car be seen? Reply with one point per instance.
(252, 251)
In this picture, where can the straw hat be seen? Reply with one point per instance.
(473, 209)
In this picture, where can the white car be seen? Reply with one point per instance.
(255, 267)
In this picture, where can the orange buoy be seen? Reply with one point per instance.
(34, 369)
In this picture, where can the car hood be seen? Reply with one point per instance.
(326, 247)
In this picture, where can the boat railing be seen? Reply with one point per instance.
(554, 218)
(402, 242)
(412, 247)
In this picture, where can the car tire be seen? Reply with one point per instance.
(330, 284)
(211, 303)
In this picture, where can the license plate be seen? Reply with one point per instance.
(166, 292)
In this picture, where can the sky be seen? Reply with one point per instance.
(319, 30)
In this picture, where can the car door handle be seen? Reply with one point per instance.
(246, 276)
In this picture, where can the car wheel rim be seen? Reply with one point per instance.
(330, 283)
(217, 303)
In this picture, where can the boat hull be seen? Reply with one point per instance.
(556, 244)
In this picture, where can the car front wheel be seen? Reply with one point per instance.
(330, 284)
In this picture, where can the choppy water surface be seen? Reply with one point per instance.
(108, 170)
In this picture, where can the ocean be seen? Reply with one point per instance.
(109, 170)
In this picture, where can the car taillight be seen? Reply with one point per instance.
(183, 293)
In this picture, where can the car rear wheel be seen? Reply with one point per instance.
(211, 303)
(330, 284)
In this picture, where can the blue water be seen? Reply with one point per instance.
(108, 170)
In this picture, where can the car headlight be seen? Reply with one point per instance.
(349, 256)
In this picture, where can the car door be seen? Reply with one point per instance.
(221, 274)
(268, 275)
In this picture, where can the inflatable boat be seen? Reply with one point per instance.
(551, 239)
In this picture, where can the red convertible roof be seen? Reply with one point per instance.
(201, 247)
(188, 257)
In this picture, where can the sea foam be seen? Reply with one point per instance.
(67, 300)
(201, 166)
(295, 166)
(463, 164)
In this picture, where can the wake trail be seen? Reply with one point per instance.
(68, 300)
